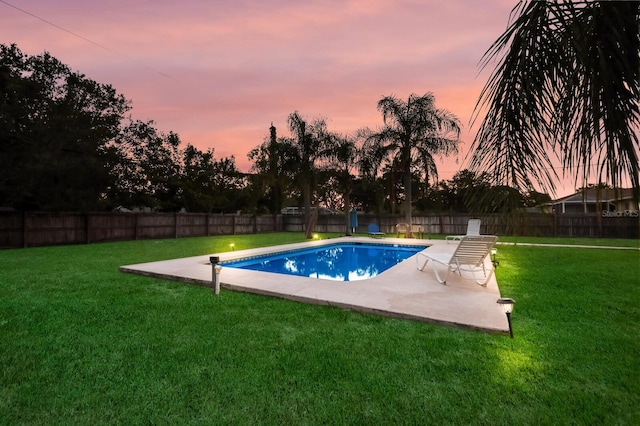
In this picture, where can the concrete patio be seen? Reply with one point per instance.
(402, 291)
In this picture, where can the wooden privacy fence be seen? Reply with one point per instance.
(530, 224)
(44, 228)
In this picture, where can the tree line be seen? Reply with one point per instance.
(565, 85)
(68, 144)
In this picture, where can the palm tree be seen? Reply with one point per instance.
(275, 164)
(415, 131)
(342, 155)
(309, 140)
(567, 82)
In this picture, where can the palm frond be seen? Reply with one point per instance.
(601, 113)
(510, 143)
(567, 84)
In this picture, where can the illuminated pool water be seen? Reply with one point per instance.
(336, 262)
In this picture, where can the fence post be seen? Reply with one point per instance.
(87, 228)
(25, 232)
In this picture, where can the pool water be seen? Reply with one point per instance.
(337, 262)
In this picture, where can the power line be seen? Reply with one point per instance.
(72, 33)
(57, 26)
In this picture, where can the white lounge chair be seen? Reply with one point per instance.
(473, 228)
(469, 256)
(402, 228)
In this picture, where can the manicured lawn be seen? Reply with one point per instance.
(81, 343)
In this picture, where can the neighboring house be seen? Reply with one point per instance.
(616, 202)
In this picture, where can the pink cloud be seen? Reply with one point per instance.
(234, 67)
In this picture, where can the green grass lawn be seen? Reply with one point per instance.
(81, 343)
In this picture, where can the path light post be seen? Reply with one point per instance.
(507, 306)
(215, 273)
(494, 260)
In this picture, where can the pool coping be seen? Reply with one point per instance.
(400, 292)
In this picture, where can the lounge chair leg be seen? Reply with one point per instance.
(486, 280)
(440, 280)
(418, 265)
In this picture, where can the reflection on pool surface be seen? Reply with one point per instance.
(337, 262)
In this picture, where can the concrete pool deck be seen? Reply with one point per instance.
(401, 292)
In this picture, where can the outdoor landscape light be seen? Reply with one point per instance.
(507, 306)
(316, 236)
(215, 275)
(232, 246)
(495, 262)
(216, 279)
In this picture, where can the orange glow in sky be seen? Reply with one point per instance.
(218, 73)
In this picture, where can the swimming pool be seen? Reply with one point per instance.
(335, 262)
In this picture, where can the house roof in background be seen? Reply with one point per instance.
(593, 195)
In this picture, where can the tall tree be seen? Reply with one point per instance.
(195, 177)
(415, 131)
(148, 173)
(197, 180)
(567, 81)
(309, 139)
(457, 194)
(56, 127)
(342, 156)
(370, 187)
(274, 162)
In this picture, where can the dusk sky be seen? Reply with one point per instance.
(218, 73)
